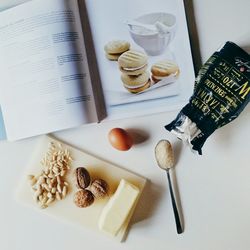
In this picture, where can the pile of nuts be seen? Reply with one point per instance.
(88, 191)
(50, 184)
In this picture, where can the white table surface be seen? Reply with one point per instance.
(214, 188)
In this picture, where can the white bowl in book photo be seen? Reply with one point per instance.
(153, 32)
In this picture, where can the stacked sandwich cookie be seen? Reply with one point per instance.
(136, 84)
(164, 69)
(115, 48)
(133, 65)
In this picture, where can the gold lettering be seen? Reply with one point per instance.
(244, 89)
(208, 98)
(214, 104)
(226, 80)
(202, 94)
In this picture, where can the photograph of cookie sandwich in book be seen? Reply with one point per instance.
(142, 53)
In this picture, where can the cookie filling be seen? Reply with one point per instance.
(163, 77)
(115, 54)
(135, 86)
(132, 69)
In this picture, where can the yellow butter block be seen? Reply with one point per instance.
(118, 208)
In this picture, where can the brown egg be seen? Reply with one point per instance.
(120, 139)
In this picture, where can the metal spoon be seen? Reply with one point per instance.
(165, 160)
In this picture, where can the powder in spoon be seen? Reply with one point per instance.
(164, 154)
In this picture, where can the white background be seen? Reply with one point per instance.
(214, 188)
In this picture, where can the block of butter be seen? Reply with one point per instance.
(118, 208)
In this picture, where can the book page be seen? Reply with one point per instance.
(156, 32)
(45, 84)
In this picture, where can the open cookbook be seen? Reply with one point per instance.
(65, 63)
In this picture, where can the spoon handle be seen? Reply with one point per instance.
(176, 214)
(139, 24)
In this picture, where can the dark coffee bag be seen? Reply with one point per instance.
(221, 92)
